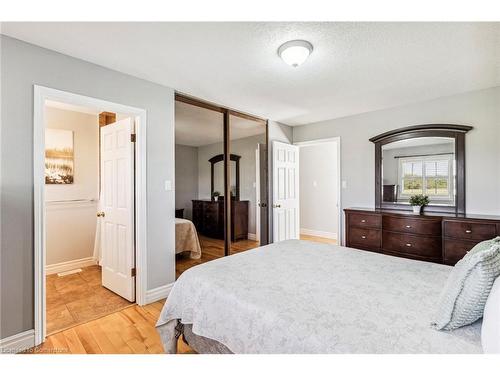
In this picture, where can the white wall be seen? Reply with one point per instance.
(480, 109)
(22, 66)
(186, 178)
(318, 189)
(71, 226)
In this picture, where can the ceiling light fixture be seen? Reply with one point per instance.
(295, 52)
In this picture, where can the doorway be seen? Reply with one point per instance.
(89, 209)
(220, 182)
(319, 191)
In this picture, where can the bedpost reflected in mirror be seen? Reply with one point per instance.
(426, 160)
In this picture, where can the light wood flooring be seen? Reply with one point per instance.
(318, 239)
(129, 331)
(78, 298)
(211, 248)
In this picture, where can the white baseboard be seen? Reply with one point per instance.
(70, 265)
(156, 294)
(252, 236)
(17, 343)
(318, 233)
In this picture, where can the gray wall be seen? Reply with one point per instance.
(318, 187)
(186, 178)
(481, 109)
(22, 66)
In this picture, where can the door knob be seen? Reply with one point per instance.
(276, 205)
(101, 214)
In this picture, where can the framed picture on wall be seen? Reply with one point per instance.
(59, 156)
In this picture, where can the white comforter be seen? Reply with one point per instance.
(304, 297)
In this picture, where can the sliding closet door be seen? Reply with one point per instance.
(247, 182)
(199, 184)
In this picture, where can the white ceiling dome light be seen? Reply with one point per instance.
(295, 52)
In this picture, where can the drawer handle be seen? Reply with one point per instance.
(408, 245)
(408, 226)
(468, 231)
(363, 237)
(363, 221)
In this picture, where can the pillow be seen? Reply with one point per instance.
(484, 245)
(490, 330)
(467, 288)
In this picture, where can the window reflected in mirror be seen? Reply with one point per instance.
(419, 166)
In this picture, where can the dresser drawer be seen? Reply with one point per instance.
(410, 225)
(365, 220)
(468, 230)
(365, 237)
(454, 250)
(407, 244)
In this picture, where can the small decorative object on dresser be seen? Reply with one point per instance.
(215, 196)
(418, 201)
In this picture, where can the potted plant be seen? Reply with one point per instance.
(215, 196)
(418, 201)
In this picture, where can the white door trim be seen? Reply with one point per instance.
(41, 95)
(340, 232)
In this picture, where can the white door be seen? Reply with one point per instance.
(285, 192)
(117, 206)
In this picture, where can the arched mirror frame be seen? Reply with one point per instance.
(457, 132)
(218, 158)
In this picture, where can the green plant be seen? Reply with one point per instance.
(419, 200)
(215, 194)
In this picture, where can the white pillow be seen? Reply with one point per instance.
(490, 331)
(467, 288)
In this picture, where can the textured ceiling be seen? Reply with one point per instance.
(354, 68)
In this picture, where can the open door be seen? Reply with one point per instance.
(117, 205)
(286, 218)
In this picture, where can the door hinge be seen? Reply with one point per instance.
(132, 272)
(132, 137)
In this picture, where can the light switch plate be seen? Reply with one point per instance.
(344, 184)
(168, 185)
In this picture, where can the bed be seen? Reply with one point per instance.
(186, 238)
(304, 297)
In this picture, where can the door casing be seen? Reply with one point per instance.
(41, 95)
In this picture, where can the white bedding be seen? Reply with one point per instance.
(304, 297)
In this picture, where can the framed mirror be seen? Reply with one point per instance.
(422, 159)
(217, 175)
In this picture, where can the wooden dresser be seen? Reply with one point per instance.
(440, 238)
(208, 218)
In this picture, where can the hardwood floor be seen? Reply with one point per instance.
(211, 249)
(317, 239)
(79, 298)
(129, 331)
